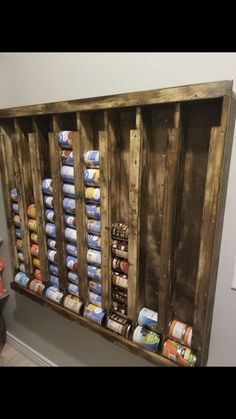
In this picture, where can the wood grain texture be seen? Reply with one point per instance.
(148, 97)
(113, 126)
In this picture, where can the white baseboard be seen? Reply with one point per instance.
(35, 356)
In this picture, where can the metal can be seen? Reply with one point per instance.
(94, 257)
(93, 241)
(95, 286)
(95, 299)
(120, 231)
(34, 237)
(146, 338)
(14, 195)
(37, 274)
(52, 244)
(15, 208)
(92, 177)
(71, 249)
(22, 267)
(71, 235)
(73, 289)
(92, 194)
(148, 318)
(72, 263)
(36, 262)
(73, 277)
(94, 313)
(16, 220)
(54, 294)
(91, 158)
(119, 280)
(119, 297)
(50, 215)
(69, 205)
(32, 224)
(68, 189)
(92, 211)
(73, 303)
(19, 244)
(119, 249)
(94, 272)
(53, 269)
(31, 211)
(22, 279)
(34, 250)
(65, 139)
(119, 308)
(119, 325)
(94, 226)
(178, 353)
(70, 220)
(181, 332)
(37, 286)
(52, 256)
(50, 229)
(18, 233)
(20, 256)
(48, 201)
(120, 265)
(54, 281)
(67, 157)
(47, 186)
(67, 173)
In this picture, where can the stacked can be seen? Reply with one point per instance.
(34, 248)
(177, 347)
(17, 224)
(145, 334)
(91, 176)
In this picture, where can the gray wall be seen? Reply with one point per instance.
(37, 78)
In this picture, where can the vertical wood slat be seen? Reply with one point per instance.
(55, 159)
(8, 180)
(114, 165)
(136, 142)
(104, 156)
(37, 177)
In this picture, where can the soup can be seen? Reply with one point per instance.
(36, 262)
(94, 226)
(53, 269)
(94, 272)
(94, 257)
(70, 220)
(92, 211)
(120, 231)
(73, 303)
(54, 281)
(65, 139)
(20, 256)
(120, 280)
(71, 235)
(34, 237)
(119, 308)
(71, 249)
(146, 338)
(95, 287)
(34, 250)
(32, 224)
(91, 158)
(73, 277)
(181, 332)
(22, 279)
(16, 220)
(72, 263)
(94, 313)
(48, 201)
(50, 229)
(50, 215)
(54, 294)
(37, 286)
(178, 353)
(47, 186)
(52, 243)
(68, 189)
(92, 194)
(92, 177)
(22, 267)
(15, 208)
(73, 289)
(148, 318)
(67, 157)
(69, 205)
(67, 173)
(95, 299)
(52, 256)
(37, 274)
(93, 241)
(119, 249)
(119, 325)
(119, 297)
(18, 233)
(14, 195)
(19, 244)
(120, 265)
(31, 211)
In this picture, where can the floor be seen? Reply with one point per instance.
(12, 357)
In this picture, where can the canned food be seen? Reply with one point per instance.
(120, 264)
(34, 250)
(93, 241)
(94, 226)
(69, 190)
(22, 279)
(148, 318)
(94, 313)
(181, 332)
(94, 272)
(94, 257)
(95, 286)
(73, 303)
(53, 269)
(20, 256)
(36, 262)
(92, 177)
(48, 201)
(119, 280)
(73, 277)
(31, 211)
(73, 289)
(34, 237)
(52, 255)
(69, 205)
(65, 139)
(67, 157)
(50, 215)
(91, 158)
(146, 338)
(16, 220)
(120, 298)
(14, 195)
(72, 263)
(120, 231)
(67, 173)
(50, 229)
(54, 294)
(32, 224)
(19, 244)
(70, 220)
(37, 274)
(95, 299)
(37, 286)
(52, 243)
(22, 267)
(15, 208)
(119, 249)
(119, 308)
(119, 325)
(72, 250)
(92, 194)
(178, 353)
(54, 281)
(18, 233)
(71, 235)
(92, 211)
(47, 186)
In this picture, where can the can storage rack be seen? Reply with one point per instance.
(164, 161)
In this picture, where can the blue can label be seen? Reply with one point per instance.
(54, 281)
(148, 318)
(146, 338)
(52, 256)
(73, 289)
(22, 267)
(51, 230)
(48, 201)
(73, 277)
(94, 226)
(18, 233)
(94, 313)
(22, 279)
(47, 186)
(91, 158)
(69, 205)
(15, 208)
(20, 256)
(69, 190)
(14, 195)
(50, 215)
(67, 173)
(72, 263)
(92, 177)
(71, 250)
(70, 220)
(53, 269)
(92, 211)
(52, 244)
(71, 235)
(67, 157)
(65, 139)
(95, 287)
(94, 272)
(53, 293)
(93, 241)
(95, 298)
(94, 257)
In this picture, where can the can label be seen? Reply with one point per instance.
(73, 289)
(18, 233)
(15, 208)
(53, 269)
(119, 249)
(120, 265)
(50, 229)
(50, 215)
(67, 157)
(94, 257)
(92, 194)
(91, 158)
(36, 262)
(93, 241)
(34, 250)
(31, 211)
(181, 332)
(67, 173)
(119, 280)
(146, 338)
(16, 220)
(94, 272)
(73, 277)
(47, 186)
(72, 263)
(95, 299)
(34, 237)
(22, 267)
(69, 205)
(93, 226)
(54, 281)
(22, 279)
(32, 224)
(20, 256)
(178, 353)
(71, 235)
(37, 286)
(52, 244)
(48, 201)
(120, 231)
(119, 297)
(95, 286)
(65, 139)
(52, 256)
(119, 308)
(119, 325)
(94, 313)
(70, 220)
(19, 244)
(73, 303)
(148, 318)
(92, 211)
(69, 190)
(14, 195)
(37, 274)
(92, 177)
(54, 294)
(72, 250)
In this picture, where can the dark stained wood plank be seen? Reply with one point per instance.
(42, 125)
(114, 166)
(148, 97)
(55, 158)
(37, 176)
